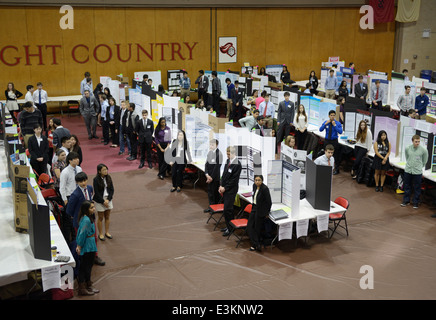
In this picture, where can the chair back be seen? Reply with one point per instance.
(342, 202)
(248, 208)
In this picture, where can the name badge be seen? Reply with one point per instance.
(422, 101)
(148, 127)
(166, 131)
(230, 170)
(212, 161)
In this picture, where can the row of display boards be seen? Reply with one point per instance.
(27, 225)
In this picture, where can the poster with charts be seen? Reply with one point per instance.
(291, 188)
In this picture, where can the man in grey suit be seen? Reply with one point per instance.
(89, 109)
(203, 86)
(360, 89)
(285, 118)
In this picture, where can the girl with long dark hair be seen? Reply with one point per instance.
(180, 157)
(103, 195)
(382, 149)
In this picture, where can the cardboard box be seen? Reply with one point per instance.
(19, 178)
(217, 124)
(123, 79)
(430, 118)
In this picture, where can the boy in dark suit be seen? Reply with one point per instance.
(132, 118)
(229, 186)
(144, 129)
(212, 172)
(237, 97)
(361, 89)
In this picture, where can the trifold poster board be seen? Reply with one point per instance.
(284, 184)
(392, 128)
(410, 127)
(317, 109)
(318, 185)
(274, 70)
(39, 226)
(255, 144)
(297, 158)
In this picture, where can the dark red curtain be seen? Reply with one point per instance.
(384, 10)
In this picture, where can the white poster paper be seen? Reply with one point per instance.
(285, 231)
(302, 226)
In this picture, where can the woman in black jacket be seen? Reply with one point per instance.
(180, 157)
(38, 149)
(103, 194)
(260, 209)
(313, 80)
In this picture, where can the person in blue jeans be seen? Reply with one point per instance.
(416, 158)
(123, 135)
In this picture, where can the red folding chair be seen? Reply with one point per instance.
(216, 209)
(240, 224)
(337, 218)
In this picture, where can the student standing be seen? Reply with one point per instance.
(68, 176)
(59, 133)
(88, 108)
(86, 248)
(267, 110)
(362, 146)
(230, 87)
(203, 86)
(343, 90)
(40, 101)
(406, 75)
(65, 146)
(38, 149)
(333, 129)
(28, 119)
(229, 185)
(145, 129)
(260, 99)
(382, 150)
(377, 96)
(313, 80)
(416, 159)
(285, 117)
(103, 195)
(185, 86)
(178, 157)
(421, 103)
(113, 118)
(260, 209)
(124, 138)
(50, 130)
(58, 166)
(341, 103)
(285, 76)
(212, 172)
(301, 124)
(406, 102)
(361, 89)
(162, 137)
(75, 146)
(331, 85)
(84, 83)
(12, 95)
(216, 93)
(132, 118)
(29, 94)
(237, 100)
(97, 92)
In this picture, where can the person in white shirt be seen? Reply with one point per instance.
(68, 176)
(40, 101)
(327, 158)
(267, 110)
(362, 147)
(66, 146)
(301, 124)
(29, 94)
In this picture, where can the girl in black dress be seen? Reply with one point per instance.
(382, 149)
(260, 209)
